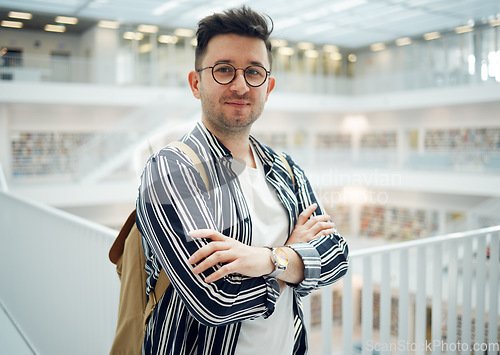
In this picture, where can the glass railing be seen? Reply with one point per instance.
(38, 68)
(105, 151)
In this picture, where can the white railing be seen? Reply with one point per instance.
(453, 279)
(62, 292)
(3, 180)
(57, 283)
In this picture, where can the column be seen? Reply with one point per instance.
(5, 149)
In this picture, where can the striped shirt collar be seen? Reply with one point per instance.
(219, 150)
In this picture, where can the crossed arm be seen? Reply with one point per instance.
(243, 259)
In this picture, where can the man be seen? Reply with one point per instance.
(240, 254)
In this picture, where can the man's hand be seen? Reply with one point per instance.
(308, 228)
(235, 256)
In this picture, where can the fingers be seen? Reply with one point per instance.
(217, 244)
(325, 232)
(316, 219)
(208, 233)
(321, 226)
(218, 257)
(306, 214)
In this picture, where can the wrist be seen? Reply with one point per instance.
(279, 260)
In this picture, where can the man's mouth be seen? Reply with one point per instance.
(237, 103)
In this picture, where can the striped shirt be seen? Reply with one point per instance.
(195, 317)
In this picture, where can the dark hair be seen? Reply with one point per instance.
(241, 21)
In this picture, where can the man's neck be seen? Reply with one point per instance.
(238, 144)
(240, 148)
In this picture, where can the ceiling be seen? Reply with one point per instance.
(345, 23)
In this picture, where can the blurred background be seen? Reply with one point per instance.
(391, 106)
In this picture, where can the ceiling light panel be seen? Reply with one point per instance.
(365, 21)
(108, 24)
(11, 24)
(20, 15)
(147, 28)
(55, 28)
(67, 20)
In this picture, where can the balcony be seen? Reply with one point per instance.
(60, 292)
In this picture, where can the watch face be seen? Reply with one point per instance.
(281, 257)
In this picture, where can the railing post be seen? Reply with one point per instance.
(347, 313)
(403, 305)
(421, 303)
(493, 283)
(437, 302)
(327, 320)
(385, 301)
(367, 305)
(467, 295)
(451, 328)
(480, 289)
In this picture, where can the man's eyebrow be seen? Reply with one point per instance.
(257, 63)
(230, 62)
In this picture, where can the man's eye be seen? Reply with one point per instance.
(254, 72)
(224, 70)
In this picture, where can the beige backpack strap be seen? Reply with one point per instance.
(163, 282)
(161, 286)
(287, 166)
(194, 158)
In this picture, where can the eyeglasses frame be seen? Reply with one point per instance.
(268, 73)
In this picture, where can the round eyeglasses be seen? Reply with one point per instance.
(224, 73)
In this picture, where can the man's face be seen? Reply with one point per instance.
(231, 108)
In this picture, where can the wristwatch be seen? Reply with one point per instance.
(280, 261)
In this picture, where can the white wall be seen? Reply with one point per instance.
(40, 42)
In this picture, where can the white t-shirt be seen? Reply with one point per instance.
(274, 335)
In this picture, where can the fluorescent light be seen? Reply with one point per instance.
(55, 28)
(352, 58)
(20, 15)
(133, 35)
(184, 32)
(288, 51)
(376, 47)
(495, 22)
(463, 29)
(67, 20)
(328, 48)
(431, 35)
(278, 43)
(194, 42)
(336, 56)
(311, 53)
(403, 41)
(12, 24)
(168, 39)
(147, 28)
(305, 46)
(108, 24)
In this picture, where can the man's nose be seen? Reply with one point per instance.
(239, 84)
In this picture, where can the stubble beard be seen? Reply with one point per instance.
(230, 126)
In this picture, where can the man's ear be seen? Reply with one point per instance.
(194, 82)
(271, 81)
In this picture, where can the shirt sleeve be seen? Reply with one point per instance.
(173, 201)
(325, 258)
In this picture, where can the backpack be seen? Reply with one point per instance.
(127, 253)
